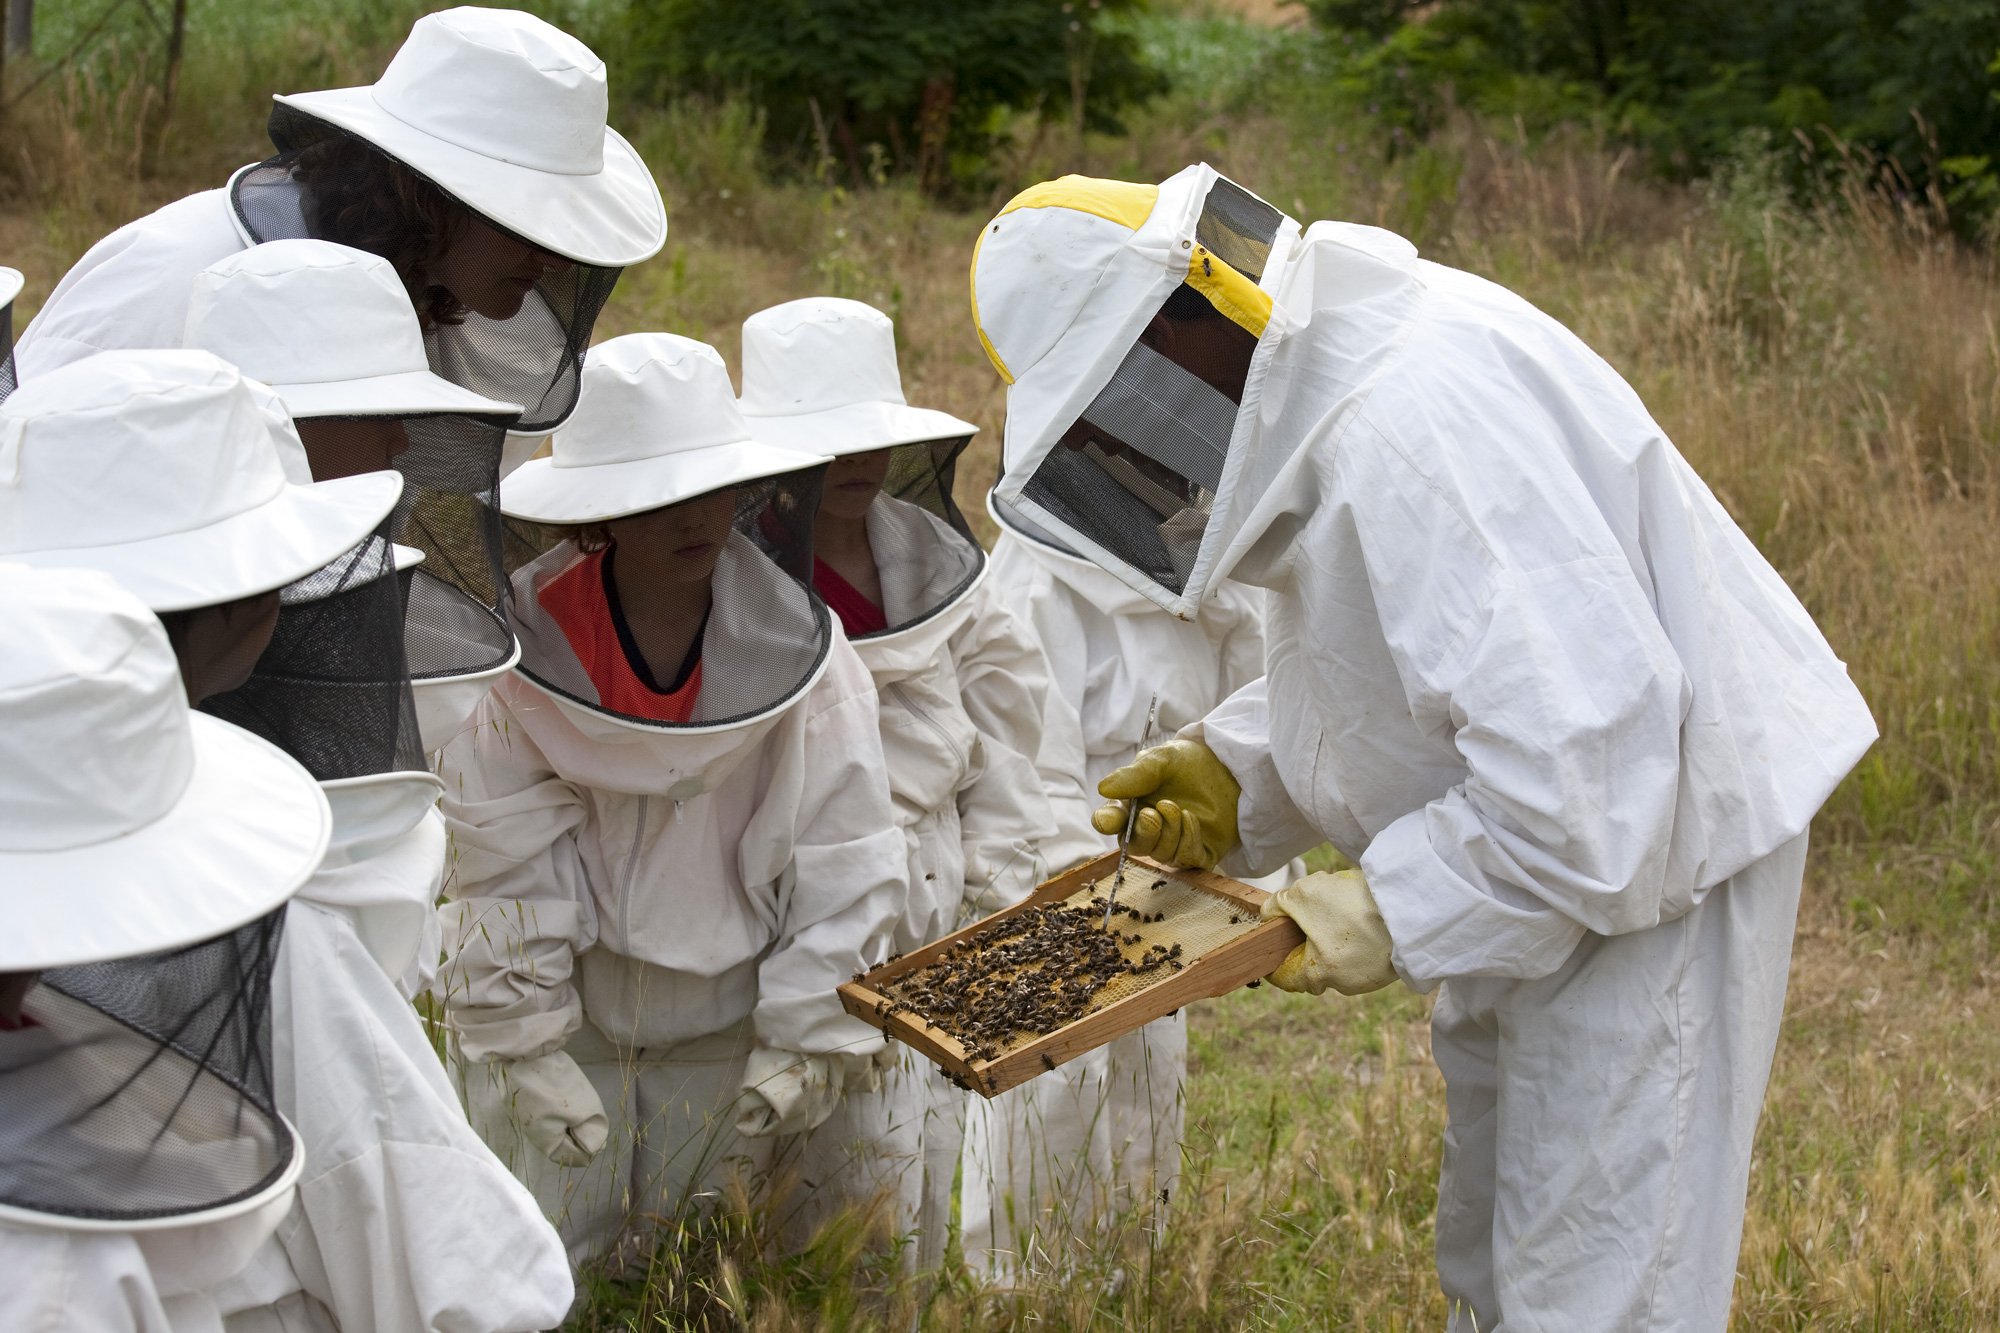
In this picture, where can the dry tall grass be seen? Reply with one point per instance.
(1833, 373)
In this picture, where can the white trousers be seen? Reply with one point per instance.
(672, 1146)
(1052, 1161)
(893, 1149)
(1601, 1119)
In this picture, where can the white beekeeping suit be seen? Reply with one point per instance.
(661, 877)
(1101, 1135)
(485, 139)
(1523, 669)
(161, 469)
(146, 855)
(961, 685)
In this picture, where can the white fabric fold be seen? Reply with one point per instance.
(780, 856)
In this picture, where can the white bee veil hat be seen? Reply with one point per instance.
(820, 374)
(506, 113)
(160, 468)
(129, 824)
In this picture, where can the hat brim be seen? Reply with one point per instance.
(411, 393)
(251, 827)
(540, 492)
(286, 538)
(612, 219)
(858, 428)
(446, 703)
(12, 280)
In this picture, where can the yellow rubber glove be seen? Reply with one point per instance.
(1347, 943)
(1187, 805)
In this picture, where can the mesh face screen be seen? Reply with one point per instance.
(1238, 228)
(767, 631)
(1137, 472)
(534, 358)
(143, 1088)
(333, 688)
(9, 378)
(455, 602)
(924, 550)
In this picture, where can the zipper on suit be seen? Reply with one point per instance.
(631, 871)
(902, 697)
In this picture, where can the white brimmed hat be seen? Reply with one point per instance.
(505, 113)
(128, 823)
(11, 283)
(330, 328)
(820, 374)
(657, 424)
(160, 469)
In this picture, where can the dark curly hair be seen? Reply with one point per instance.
(590, 538)
(362, 197)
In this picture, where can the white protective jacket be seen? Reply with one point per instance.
(377, 1236)
(1535, 680)
(1109, 649)
(666, 886)
(961, 697)
(131, 289)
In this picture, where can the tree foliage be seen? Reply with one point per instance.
(871, 87)
(1914, 80)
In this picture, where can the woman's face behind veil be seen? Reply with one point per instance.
(679, 543)
(490, 272)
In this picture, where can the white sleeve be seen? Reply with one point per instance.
(409, 1220)
(1004, 814)
(836, 903)
(1271, 829)
(1235, 620)
(1539, 654)
(519, 908)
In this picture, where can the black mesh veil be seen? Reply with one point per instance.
(767, 634)
(1138, 470)
(142, 1089)
(925, 552)
(333, 688)
(534, 359)
(455, 601)
(10, 378)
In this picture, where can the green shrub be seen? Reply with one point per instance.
(865, 89)
(1913, 81)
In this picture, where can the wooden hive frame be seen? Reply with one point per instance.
(1217, 972)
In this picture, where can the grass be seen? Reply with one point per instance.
(1833, 371)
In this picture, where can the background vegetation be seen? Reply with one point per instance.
(1812, 320)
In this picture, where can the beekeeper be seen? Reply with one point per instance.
(961, 684)
(479, 164)
(332, 331)
(1523, 670)
(1100, 1136)
(281, 603)
(145, 858)
(672, 824)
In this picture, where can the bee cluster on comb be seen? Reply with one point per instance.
(1029, 973)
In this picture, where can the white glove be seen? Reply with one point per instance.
(786, 1092)
(1347, 943)
(557, 1109)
